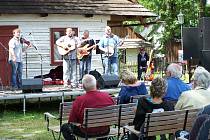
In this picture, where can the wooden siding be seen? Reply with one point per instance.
(83, 7)
(39, 28)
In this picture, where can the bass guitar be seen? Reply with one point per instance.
(83, 51)
(64, 48)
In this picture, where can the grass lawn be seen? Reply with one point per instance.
(14, 125)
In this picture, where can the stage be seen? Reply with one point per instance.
(48, 92)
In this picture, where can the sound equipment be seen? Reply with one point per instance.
(32, 85)
(108, 81)
(205, 42)
(205, 32)
(191, 45)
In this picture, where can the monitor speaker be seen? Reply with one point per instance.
(32, 85)
(108, 81)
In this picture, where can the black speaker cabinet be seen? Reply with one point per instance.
(32, 85)
(205, 33)
(108, 81)
(191, 43)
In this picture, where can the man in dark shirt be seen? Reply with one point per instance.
(92, 99)
(143, 57)
(85, 53)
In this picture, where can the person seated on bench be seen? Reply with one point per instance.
(199, 96)
(131, 87)
(151, 105)
(175, 85)
(92, 99)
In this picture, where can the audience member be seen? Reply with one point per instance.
(92, 99)
(131, 87)
(175, 85)
(199, 96)
(151, 105)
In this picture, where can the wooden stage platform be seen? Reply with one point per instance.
(48, 92)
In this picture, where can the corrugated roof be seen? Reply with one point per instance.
(95, 7)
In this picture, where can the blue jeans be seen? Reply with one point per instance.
(85, 66)
(110, 65)
(16, 74)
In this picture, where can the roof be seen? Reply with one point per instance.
(92, 7)
(134, 43)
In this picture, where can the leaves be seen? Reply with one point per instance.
(168, 11)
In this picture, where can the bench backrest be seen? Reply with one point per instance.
(191, 116)
(64, 111)
(127, 113)
(134, 99)
(105, 116)
(164, 122)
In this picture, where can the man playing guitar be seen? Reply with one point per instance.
(84, 53)
(68, 43)
(108, 44)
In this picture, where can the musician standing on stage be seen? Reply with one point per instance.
(16, 48)
(108, 44)
(85, 61)
(143, 57)
(69, 60)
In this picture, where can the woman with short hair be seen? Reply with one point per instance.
(131, 87)
(152, 104)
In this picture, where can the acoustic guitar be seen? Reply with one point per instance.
(83, 51)
(64, 48)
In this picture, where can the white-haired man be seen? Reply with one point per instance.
(199, 96)
(175, 85)
(108, 44)
(92, 99)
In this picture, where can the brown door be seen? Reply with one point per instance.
(5, 36)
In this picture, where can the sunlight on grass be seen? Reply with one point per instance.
(14, 125)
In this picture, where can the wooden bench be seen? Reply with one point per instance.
(165, 123)
(97, 117)
(64, 110)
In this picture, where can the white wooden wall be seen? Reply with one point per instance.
(37, 30)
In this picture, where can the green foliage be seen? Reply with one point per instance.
(168, 11)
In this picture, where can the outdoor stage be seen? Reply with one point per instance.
(48, 92)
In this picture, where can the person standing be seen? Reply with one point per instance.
(85, 61)
(69, 59)
(16, 48)
(143, 57)
(108, 44)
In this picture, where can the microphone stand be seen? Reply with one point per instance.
(41, 58)
(6, 50)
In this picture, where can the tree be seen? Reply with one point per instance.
(168, 11)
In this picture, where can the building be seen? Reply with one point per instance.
(43, 21)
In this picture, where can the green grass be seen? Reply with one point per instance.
(14, 125)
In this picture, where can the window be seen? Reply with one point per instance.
(56, 33)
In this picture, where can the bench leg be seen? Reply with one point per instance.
(55, 137)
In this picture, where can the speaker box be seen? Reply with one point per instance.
(108, 81)
(32, 85)
(205, 32)
(191, 45)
